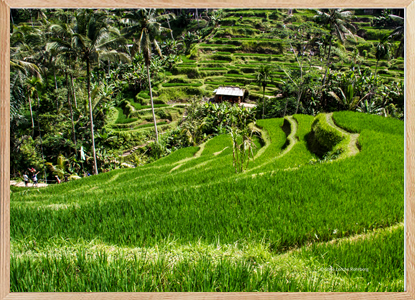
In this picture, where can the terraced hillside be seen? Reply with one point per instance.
(234, 51)
(247, 39)
(293, 221)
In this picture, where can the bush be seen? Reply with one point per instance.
(323, 137)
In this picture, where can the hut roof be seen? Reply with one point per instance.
(230, 91)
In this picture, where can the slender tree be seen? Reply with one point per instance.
(145, 27)
(338, 21)
(263, 78)
(398, 34)
(93, 37)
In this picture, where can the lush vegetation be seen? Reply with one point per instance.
(299, 189)
(287, 62)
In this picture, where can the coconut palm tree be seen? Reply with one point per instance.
(263, 78)
(398, 34)
(145, 28)
(93, 38)
(338, 21)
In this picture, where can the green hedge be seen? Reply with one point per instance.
(323, 138)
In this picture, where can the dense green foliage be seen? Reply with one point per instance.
(324, 135)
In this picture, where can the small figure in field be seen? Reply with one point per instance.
(34, 178)
(25, 179)
(57, 179)
(240, 18)
(66, 179)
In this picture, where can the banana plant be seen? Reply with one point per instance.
(348, 98)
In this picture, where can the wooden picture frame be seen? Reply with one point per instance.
(6, 5)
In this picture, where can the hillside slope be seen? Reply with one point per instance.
(291, 222)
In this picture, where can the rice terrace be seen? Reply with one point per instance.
(207, 150)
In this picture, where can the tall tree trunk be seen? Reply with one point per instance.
(263, 101)
(31, 112)
(90, 116)
(152, 105)
(70, 109)
(298, 100)
(171, 31)
(285, 109)
(54, 75)
(56, 88)
(328, 63)
(73, 92)
(40, 136)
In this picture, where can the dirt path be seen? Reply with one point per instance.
(21, 184)
(352, 147)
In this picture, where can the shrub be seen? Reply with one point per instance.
(323, 137)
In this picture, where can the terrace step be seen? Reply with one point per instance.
(352, 146)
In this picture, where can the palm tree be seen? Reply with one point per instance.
(62, 48)
(263, 78)
(93, 36)
(338, 21)
(189, 38)
(167, 16)
(145, 28)
(398, 34)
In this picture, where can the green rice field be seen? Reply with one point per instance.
(293, 221)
